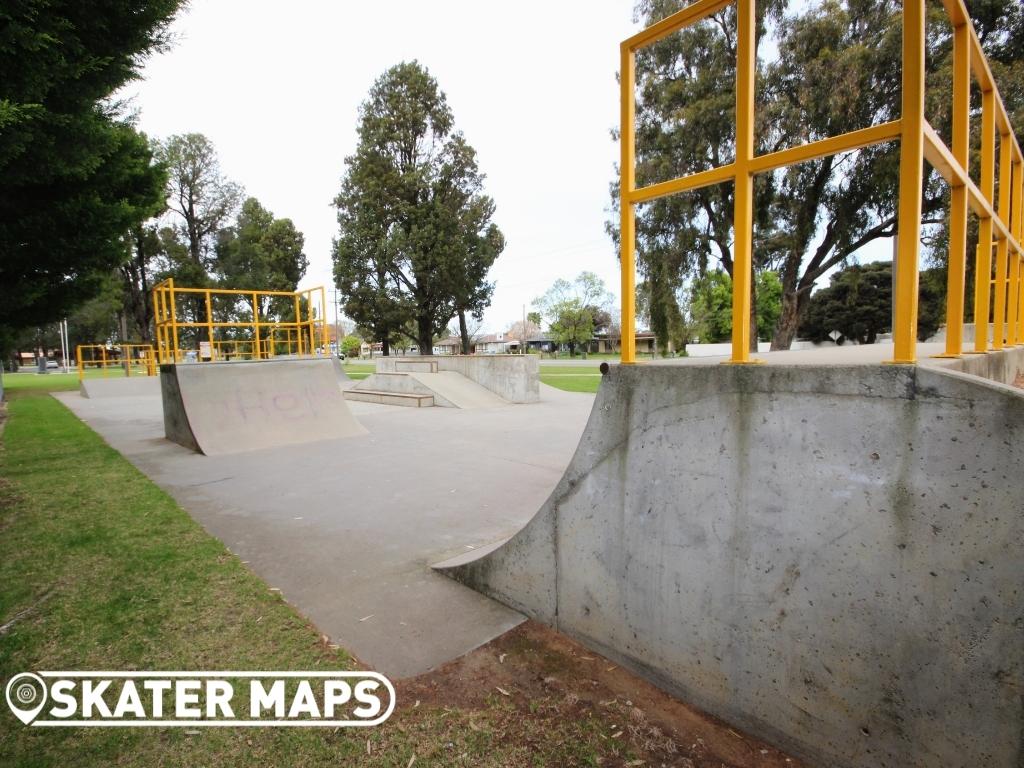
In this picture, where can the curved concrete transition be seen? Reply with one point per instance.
(828, 557)
(221, 408)
(339, 371)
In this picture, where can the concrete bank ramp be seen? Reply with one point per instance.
(127, 386)
(446, 388)
(828, 557)
(457, 390)
(221, 408)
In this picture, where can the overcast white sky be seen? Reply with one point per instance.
(276, 86)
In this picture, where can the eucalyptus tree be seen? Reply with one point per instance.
(416, 238)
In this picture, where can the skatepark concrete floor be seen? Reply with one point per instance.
(348, 529)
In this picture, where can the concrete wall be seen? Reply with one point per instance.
(515, 378)
(1003, 366)
(828, 557)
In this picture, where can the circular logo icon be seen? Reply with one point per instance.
(26, 696)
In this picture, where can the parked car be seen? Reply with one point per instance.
(52, 365)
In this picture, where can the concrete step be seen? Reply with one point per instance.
(390, 398)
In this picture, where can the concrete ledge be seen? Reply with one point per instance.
(400, 384)
(826, 556)
(390, 398)
(1002, 366)
(415, 366)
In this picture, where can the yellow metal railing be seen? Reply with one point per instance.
(257, 338)
(1000, 222)
(132, 359)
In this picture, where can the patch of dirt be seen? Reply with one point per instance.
(534, 668)
(1019, 381)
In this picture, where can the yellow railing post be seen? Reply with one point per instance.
(1002, 253)
(256, 323)
(983, 265)
(957, 267)
(209, 327)
(911, 177)
(298, 326)
(743, 202)
(324, 339)
(627, 225)
(174, 320)
(1017, 227)
(81, 365)
(1013, 290)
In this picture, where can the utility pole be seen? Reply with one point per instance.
(337, 321)
(522, 341)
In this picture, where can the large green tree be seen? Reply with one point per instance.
(261, 253)
(74, 176)
(858, 304)
(711, 305)
(416, 238)
(203, 199)
(575, 310)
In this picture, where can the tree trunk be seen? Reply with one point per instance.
(789, 322)
(424, 335)
(793, 304)
(464, 332)
(147, 306)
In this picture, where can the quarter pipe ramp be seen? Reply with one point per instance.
(826, 556)
(220, 408)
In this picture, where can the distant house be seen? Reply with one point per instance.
(450, 346)
(492, 344)
(540, 342)
(496, 344)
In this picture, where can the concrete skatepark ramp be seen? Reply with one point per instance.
(128, 386)
(513, 378)
(221, 408)
(445, 389)
(829, 557)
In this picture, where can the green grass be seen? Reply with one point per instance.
(572, 383)
(54, 382)
(100, 569)
(359, 371)
(571, 370)
(572, 378)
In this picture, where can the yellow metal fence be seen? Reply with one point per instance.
(999, 281)
(110, 360)
(204, 338)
